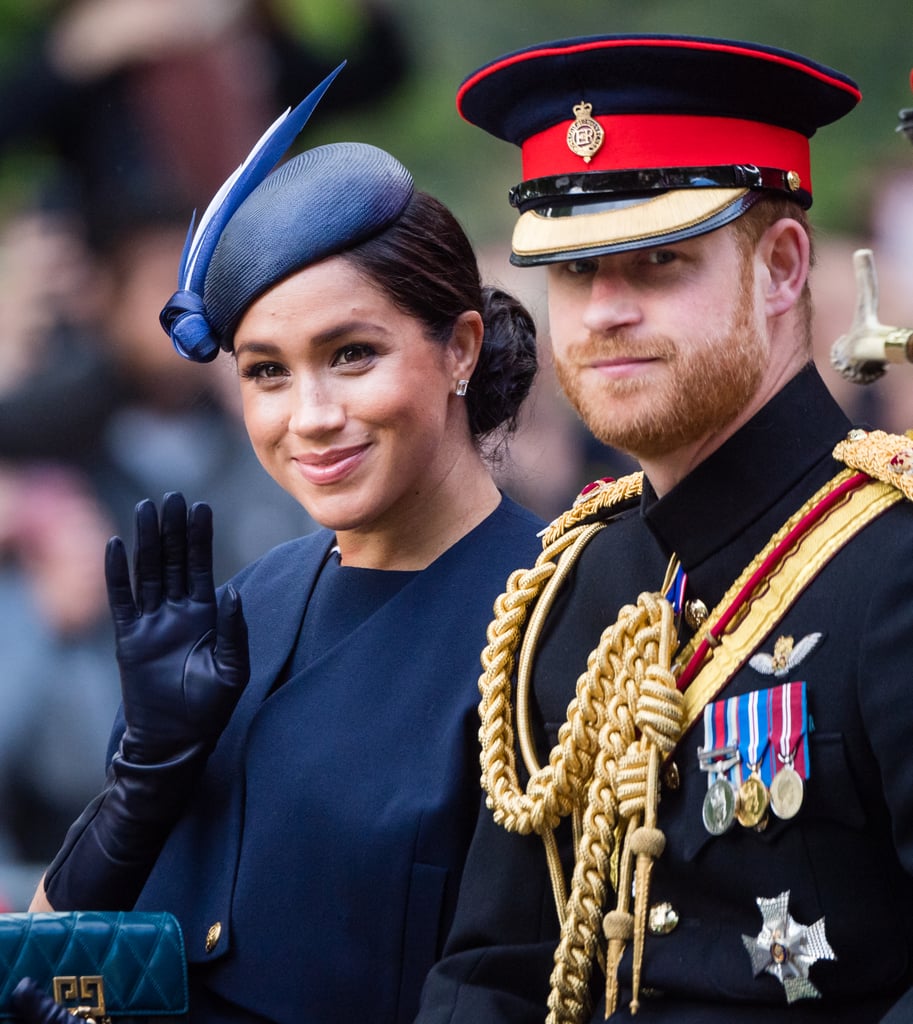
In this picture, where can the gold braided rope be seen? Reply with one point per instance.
(626, 715)
(581, 537)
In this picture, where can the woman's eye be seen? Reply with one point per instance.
(352, 354)
(262, 371)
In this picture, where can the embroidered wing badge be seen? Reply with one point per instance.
(786, 656)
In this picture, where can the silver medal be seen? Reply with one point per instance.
(719, 807)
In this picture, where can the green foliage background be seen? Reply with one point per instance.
(472, 172)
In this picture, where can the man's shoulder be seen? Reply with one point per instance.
(882, 456)
(598, 502)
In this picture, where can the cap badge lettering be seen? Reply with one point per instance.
(585, 136)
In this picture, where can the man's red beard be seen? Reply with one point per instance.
(706, 385)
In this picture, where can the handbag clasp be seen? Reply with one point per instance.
(82, 989)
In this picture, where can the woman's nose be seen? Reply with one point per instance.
(315, 411)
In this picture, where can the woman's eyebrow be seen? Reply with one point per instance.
(326, 337)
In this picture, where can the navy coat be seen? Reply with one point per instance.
(315, 872)
(846, 857)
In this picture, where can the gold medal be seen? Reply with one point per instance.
(786, 792)
(752, 804)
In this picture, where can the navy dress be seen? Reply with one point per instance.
(316, 869)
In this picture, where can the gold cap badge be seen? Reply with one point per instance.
(585, 136)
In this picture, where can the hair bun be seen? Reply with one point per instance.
(507, 363)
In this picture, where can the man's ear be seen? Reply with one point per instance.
(784, 250)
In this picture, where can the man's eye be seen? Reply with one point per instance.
(660, 257)
(582, 266)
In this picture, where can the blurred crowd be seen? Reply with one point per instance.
(140, 108)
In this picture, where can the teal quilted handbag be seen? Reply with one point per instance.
(122, 968)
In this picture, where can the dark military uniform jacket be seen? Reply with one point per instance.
(846, 857)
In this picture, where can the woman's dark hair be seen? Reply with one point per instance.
(426, 265)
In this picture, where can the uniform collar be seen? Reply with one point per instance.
(785, 447)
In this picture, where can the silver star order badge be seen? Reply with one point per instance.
(787, 949)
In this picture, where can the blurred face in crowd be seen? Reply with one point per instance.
(142, 271)
(349, 405)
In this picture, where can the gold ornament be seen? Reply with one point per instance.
(585, 136)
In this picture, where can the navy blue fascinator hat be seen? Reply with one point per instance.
(261, 227)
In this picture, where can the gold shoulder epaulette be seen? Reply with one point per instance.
(885, 457)
(593, 499)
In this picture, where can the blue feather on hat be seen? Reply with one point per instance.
(184, 317)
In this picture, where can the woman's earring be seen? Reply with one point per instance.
(462, 387)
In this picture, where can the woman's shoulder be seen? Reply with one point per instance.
(295, 553)
(518, 516)
(509, 535)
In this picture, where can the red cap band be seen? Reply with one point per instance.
(660, 140)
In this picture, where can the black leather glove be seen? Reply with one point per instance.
(33, 1006)
(183, 664)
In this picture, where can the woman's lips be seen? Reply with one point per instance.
(332, 466)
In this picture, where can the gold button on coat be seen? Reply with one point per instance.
(696, 613)
(213, 936)
(672, 780)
